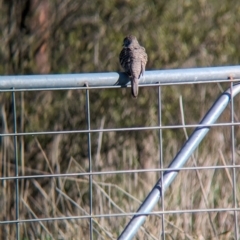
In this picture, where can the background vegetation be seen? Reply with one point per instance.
(41, 36)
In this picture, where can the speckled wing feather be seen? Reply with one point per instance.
(125, 60)
(144, 59)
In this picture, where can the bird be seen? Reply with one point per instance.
(133, 59)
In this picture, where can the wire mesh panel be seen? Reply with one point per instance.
(85, 169)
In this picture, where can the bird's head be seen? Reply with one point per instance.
(129, 40)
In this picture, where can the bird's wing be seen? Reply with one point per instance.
(125, 60)
(143, 55)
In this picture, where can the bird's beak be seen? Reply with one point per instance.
(123, 45)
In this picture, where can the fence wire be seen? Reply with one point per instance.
(128, 219)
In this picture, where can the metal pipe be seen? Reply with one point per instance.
(16, 165)
(114, 78)
(180, 159)
(163, 237)
(234, 176)
(90, 163)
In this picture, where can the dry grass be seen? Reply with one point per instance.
(120, 193)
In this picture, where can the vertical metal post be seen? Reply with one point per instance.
(90, 162)
(16, 164)
(234, 163)
(161, 155)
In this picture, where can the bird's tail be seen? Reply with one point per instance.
(134, 87)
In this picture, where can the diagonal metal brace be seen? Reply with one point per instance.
(179, 161)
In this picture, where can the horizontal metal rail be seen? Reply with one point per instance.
(85, 174)
(108, 215)
(181, 158)
(195, 75)
(117, 129)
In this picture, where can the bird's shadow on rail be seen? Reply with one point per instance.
(123, 80)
